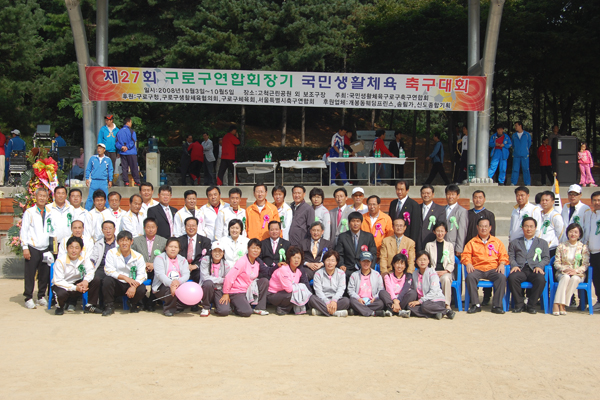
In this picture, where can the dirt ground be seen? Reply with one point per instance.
(146, 355)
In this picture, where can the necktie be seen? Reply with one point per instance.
(339, 216)
(170, 218)
(190, 252)
(315, 249)
(274, 247)
(355, 242)
(425, 211)
(399, 207)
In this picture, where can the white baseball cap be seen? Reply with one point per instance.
(574, 188)
(217, 245)
(102, 144)
(358, 190)
(16, 132)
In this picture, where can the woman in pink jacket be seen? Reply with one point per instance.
(398, 288)
(242, 286)
(586, 162)
(283, 280)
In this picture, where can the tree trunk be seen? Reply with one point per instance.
(283, 126)
(536, 113)
(566, 108)
(555, 112)
(303, 130)
(495, 101)
(593, 123)
(588, 125)
(391, 126)
(243, 126)
(508, 117)
(343, 116)
(373, 120)
(414, 134)
(427, 135)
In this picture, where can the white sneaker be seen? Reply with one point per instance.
(204, 313)
(261, 312)
(42, 302)
(347, 184)
(316, 312)
(404, 313)
(333, 184)
(30, 304)
(341, 313)
(387, 313)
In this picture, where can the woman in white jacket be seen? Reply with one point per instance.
(170, 271)
(430, 299)
(235, 245)
(441, 253)
(321, 213)
(329, 284)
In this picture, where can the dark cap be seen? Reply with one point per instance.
(365, 255)
(108, 116)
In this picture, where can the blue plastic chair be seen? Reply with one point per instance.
(457, 284)
(377, 268)
(50, 294)
(147, 282)
(487, 284)
(584, 299)
(544, 296)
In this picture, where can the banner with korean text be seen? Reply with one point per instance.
(280, 88)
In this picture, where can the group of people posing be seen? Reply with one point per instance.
(299, 257)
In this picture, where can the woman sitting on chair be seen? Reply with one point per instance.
(570, 264)
(170, 271)
(441, 253)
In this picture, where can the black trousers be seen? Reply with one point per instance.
(194, 169)
(498, 279)
(547, 171)
(95, 288)
(595, 263)
(281, 300)
(212, 295)
(33, 265)
(209, 173)
(463, 166)
(438, 167)
(171, 302)
(538, 281)
(130, 162)
(63, 295)
(112, 288)
(225, 165)
(184, 168)
(195, 275)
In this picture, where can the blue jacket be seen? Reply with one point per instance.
(521, 146)
(504, 150)
(125, 137)
(108, 138)
(101, 170)
(438, 153)
(16, 144)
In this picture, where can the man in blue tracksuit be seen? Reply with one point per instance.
(499, 143)
(108, 136)
(98, 175)
(58, 142)
(437, 157)
(14, 144)
(521, 142)
(125, 143)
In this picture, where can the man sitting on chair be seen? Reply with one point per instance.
(484, 257)
(528, 256)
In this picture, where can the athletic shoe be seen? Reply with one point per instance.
(261, 312)
(42, 302)
(438, 315)
(597, 307)
(351, 311)
(333, 184)
(30, 304)
(70, 308)
(347, 184)
(108, 310)
(280, 311)
(387, 313)
(92, 309)
(379, 313)
(59, 311)
(195, 308)
(316, 312)
(168, 314)
(341, 313)
(404, 313)
(204, 313)
(451, 314)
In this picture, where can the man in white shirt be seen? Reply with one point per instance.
(593, 242)
(456, 218)
(358, 196)
(125, 275)
(114, 202)
(100, 214)
(286, 215)
(575, 211)
(522, 210)
(80, 213)
(146, 191)
(552, 223)
(226, 214)
(207, 215)
(77, 230)
(431, 213)
(339, 215)
(189, 210)
(133, 220)
(35, 239)
(60, 217)
(98, 258)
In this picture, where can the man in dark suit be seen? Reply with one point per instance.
(149, 246)
(528, 256)
(304, 215)
(351, 243)
(163, 213)
(339, 215)
(394, 147)
(407, 209)
(270, 248)
(313, 249)
(432, 214)
(200, 247)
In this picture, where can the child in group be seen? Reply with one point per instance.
(398, 288)
(288, 287)
(329, 284)
(586, 162)
(364, 289)
(213, 271)
(170, 271)
(430, 299)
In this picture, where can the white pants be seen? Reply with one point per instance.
(446, 281)
(2, 169)
(566, 288)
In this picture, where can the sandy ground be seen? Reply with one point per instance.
(146, 355)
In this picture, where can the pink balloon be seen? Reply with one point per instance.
(190, 293)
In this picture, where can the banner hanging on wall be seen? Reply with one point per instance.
(281, 88)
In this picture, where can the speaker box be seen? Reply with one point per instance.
(565, 145)
(566, 169)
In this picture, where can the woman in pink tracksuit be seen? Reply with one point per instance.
(283, 280)
(586, 162)
(242, 286)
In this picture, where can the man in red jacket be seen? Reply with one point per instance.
(544, 155)
(230, 141)
(2, 158)
(196, 151)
